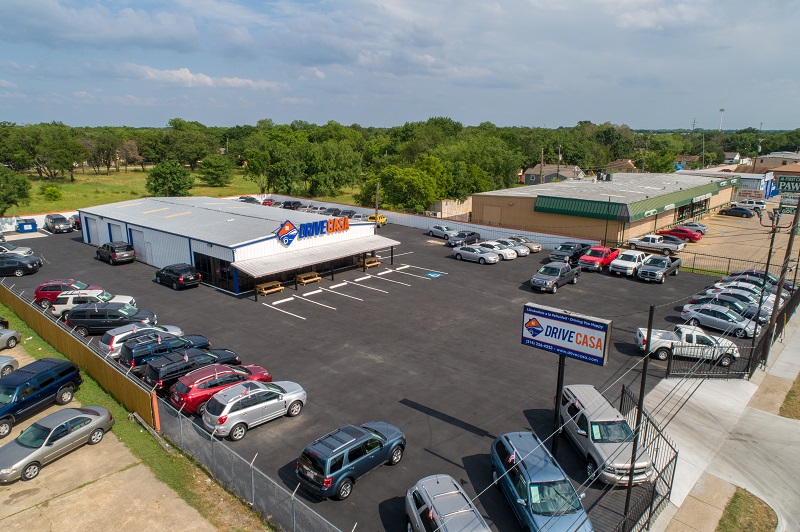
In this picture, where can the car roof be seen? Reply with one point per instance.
(534, 457)
(118, 243)
(337, 440)
(55, 419)
(175, 356)
(698, 306)
(204, 373)
(57, 281)
(451, 503)
(592, 400)
(228, 395)
(26, 372)
(86, 292)
(99, 305)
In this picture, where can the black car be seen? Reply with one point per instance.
(178, 276)
(332, 211)
(291, 204)
(97, 318)
(249, 199)
(570, 252)
(164, 371)
(34, 387)
(462, 238)
(737, 211)
(135, 352)
(56, 223)
(347, 212)
(19, 265)
(115, 252)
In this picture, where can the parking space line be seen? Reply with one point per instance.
(411, 274)
(396, 255)
(279, 310)
(301, 298)
(402, 267)
(341, 294)
(368, 287)
(421, 268)
(312, 293)
(390, 280)
(278, 302)
(363, 278)
(339, 285)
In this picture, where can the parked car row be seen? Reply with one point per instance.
(297, 205)
(489, 251)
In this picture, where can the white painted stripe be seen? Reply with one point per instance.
(369, 287)
(339, 285)
(414, 275)
(363, 278)
(312, 293)
(402, 267)
(278, 302)
(279, 310)
(395, 255)
(421, 268)
(301, 298)
(391, 281)
(341, 294)
(385, 272)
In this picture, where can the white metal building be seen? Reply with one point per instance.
(233, 244)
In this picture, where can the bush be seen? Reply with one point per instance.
(51, 192)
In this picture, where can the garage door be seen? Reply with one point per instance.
(91, 229)
(137, 241)
(116, 233)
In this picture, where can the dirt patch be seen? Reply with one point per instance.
(791, 405)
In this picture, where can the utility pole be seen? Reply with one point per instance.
(694, 123)
(541, 167)
(377, 193)
(558, 164)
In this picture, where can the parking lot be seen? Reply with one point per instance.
(429, 344)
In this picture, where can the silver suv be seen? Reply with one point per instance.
(602, 436)
(235, 410)
(438, 502)
(66, 300)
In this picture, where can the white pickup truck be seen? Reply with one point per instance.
(689, 342)
(657, 243)
(628, 263)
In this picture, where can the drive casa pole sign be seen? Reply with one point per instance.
(566, 333)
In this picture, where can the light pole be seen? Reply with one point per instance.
(721, 112)
(774, 219)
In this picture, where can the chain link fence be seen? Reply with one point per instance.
(239, 475)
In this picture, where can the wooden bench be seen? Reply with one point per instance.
(305, 278)
(369, 262)
(269, 288)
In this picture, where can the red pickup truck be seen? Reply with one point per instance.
(598, 258)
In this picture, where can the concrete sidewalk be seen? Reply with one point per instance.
(728, 434)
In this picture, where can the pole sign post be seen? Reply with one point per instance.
(566, 333)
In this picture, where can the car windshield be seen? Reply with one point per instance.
(10, 247)
(611, 432)
(128, 310)
(33, 437)
(105, 296)
(77, 285)
(594, 253)
(500, 246)
(275, 388)
(375, 432)
(215, 407)
(550, 271)
(554, 498)
(522, 239)
(446, 228)
(461, 235)
(6, 394)
(564, 247)
(629, 257)
(660, 262)
(58, 218)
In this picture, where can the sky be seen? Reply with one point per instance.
(650, 64)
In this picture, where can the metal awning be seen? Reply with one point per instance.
(295, 260)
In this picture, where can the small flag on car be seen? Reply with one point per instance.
(186, 357)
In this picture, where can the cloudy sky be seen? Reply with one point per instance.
(645, 63)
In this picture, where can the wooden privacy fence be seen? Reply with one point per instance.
(105, 371)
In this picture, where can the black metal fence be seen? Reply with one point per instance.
(650, 501)
(710, 362)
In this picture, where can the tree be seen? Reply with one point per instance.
(168, 179)
(407, 187)
(15, 189)
(216, 171)
(257, 169)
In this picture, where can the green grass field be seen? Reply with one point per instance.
(747, 512)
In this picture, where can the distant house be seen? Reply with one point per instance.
(732, 157)
(620, 165)
(789, 169)
(687, 161)
(551, 173)
(775, 160)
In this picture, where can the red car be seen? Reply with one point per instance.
(47, 293)
(683, 233)
(193, 390)
(268, 202)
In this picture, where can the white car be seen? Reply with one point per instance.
(476, 253)
(318, 210)
(14, 250)
(358, 217)
(505, 252)
(522, 250)
(535, 247)
(112, 340)
(754, 204)
(66, 300)
(442, 231)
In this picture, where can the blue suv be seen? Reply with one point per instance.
(34, 387)
(536, 487)
(330, 465)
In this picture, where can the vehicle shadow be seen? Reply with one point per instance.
(287, 474)
(392, 514)
(493, 503)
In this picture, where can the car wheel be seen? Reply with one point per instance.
(725, 361)
(201, 408)
(409, 527)
(82, 331)
(64, 315)
(430, 233)
(111, 260)
(666, 252)
(694, 323)
(294, 409)
(633, 246)
(238, 432)
(555, 289)
(591, 469)
(397, 455)
(97, 256)
(45, 303)
(675, 272)
(5, 427)
(30, 471)
(458, 256)
(662, 280)
(740, 333)
(174, 285)
(481, 261)
(574, 280)
(64, 395)
(687, 240)
(6, 371)
(345, 489)
(662, 353)
(18, 273)
(447, 237)
(11, 343)
(744, 216)
(96, 436)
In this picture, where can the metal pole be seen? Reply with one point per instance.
(776, 308)
(608, 208)
(639, 414)
(294, 522)
(761, 294)
(391, 251)
(562, 362)
(253, 482)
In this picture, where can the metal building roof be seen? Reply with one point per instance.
(282, 262)
(225, 222)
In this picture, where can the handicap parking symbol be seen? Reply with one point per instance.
(433, 275)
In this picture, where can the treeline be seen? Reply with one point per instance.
(415, 164)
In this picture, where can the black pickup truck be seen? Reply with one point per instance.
(569, 252)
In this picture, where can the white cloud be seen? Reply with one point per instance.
(7, 84)
(184, 77)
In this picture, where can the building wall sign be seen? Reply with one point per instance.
(566, 333)
(288, 231)
(704, 197)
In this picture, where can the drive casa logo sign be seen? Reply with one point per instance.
(566, 333)
(288, 231)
